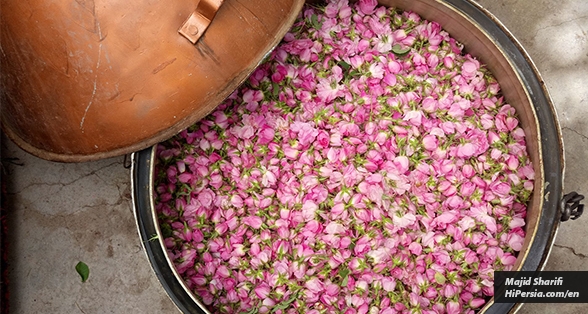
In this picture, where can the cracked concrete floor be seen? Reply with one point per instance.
(65, 213)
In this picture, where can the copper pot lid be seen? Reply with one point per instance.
(84, 80)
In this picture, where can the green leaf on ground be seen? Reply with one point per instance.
(83, 270)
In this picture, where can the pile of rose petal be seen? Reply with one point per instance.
(367, 166)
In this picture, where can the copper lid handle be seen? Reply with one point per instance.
(195, 26)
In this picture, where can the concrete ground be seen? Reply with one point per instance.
(65, 213)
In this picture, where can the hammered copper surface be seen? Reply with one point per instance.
(84, 80)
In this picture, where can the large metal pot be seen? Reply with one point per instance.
(484, 37)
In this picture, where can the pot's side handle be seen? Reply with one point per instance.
(198, 21)
(571, 207)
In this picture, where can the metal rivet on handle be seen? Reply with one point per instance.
(197, 23)
(193, 29)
